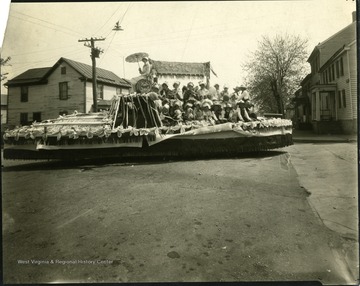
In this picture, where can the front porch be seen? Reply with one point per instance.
(324, 117)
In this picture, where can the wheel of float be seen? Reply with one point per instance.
(143, 86)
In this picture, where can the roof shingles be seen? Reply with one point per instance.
(39, 75)
(29, 76)
(102, 75)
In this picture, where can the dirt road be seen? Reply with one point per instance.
(205, 220)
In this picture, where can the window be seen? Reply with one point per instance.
(37, 116)
(341, 67)
(24, 94)
(23, 118)
(118, 90)
(63, 70)
(313, 105)
(63, 90)
(339, 99)
(337, 70)
(333, 72)
(343, 98)
(315, 65)
(100, 91)
(326, 76)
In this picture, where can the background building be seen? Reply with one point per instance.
(182, 71)
(44, 93)
(332, 85)
(3, 108)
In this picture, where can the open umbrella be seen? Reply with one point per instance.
(133, 58)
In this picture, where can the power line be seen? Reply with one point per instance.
(27, 20)
(27, 65)
(187, 39)
(127, 9)
(107, 21)
(47, 22)
(120, 21)
(107, 48)
(69, 53)
(118, 25)
(44, 51)
(204, 30)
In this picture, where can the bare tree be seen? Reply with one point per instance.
(274, 71)
(4, 62)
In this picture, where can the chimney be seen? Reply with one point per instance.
(354, 16)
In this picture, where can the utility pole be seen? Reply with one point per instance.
(95, 53)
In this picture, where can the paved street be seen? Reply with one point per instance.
(290, 214)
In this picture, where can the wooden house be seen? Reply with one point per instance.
(332, 85)
(3, 108)
(45, 93)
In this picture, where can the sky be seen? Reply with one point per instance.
(222, 32)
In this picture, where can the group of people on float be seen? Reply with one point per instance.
(197, 102)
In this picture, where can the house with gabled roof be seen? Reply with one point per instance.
(332, 85)
(45, 93)
(3, 108)
(183, 72)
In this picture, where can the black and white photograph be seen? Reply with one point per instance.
(179, 141)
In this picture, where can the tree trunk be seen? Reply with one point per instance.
(277, 97)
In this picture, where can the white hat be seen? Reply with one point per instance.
(206, 105)
(208, 101)
(178, 103)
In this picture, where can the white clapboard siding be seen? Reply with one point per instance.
(45, 98)
(353, 78)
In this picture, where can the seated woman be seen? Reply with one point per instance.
(165, 115)
(202, 93)
(144, 72)
(244, 103)
(166, 92)
(217, 109)
(198, 113)
(177, 92)
(208, 113)
(231, 114)
(189, 94)
(189, 112)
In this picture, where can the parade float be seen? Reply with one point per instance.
(134, 127)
